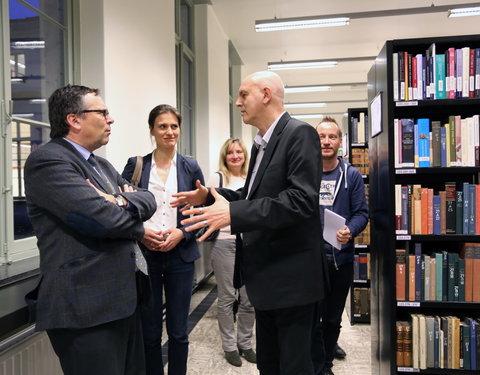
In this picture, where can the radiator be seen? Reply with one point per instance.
(32, 356)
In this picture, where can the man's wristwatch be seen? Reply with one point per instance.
(120, 201)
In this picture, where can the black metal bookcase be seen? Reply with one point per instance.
(385, 310)
(356, 317)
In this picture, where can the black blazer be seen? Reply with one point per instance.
(87, 262)
(188, 171)
(280, 255)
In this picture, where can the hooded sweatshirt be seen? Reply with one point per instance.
(349, 202)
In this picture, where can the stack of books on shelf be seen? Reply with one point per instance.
(359, 128)
(361, 266)
(359, 160)
(424, 143)
(363, 239)
(361, 303)
(441, 276)
(446, 342)
(421, 210)
(450, 74)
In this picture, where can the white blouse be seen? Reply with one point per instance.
(165, 217)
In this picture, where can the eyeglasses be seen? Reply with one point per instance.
(103, 112)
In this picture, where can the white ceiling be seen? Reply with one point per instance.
(363, 37)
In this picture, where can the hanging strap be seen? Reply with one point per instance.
(137, 173)
(220, 183)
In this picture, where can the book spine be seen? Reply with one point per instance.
(450, 191)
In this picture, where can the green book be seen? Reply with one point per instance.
(438, 277)
(452, 293)
(461, 280)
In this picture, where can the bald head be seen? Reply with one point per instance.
(271, 80)
(260, 99)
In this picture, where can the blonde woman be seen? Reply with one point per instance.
(232, 172)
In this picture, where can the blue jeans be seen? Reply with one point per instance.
(168, 271)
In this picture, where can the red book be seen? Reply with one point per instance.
(414, 78)
(424, 198)
(468, 254)
(451, 74)
(429, 211)
(471, 73)
(411, 277)
(443, 212)
(400, 274)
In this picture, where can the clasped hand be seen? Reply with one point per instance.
(161, 240)
(215, 216)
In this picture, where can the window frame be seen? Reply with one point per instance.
(16, 249)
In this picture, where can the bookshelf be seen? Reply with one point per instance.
(385, 173)
(357, 151)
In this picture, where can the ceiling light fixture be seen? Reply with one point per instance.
(464, 12)
(305, 105)
(290, 89)
(344, 19)
(310, 64)
(325, 87)
(299, 23)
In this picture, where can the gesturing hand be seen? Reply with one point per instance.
(190, 198)
(215, 216)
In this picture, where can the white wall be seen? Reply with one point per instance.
(212, 91)
(129, 52)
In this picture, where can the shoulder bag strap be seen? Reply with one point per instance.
(220, 183)
(137, 173)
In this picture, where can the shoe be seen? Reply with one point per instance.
(339, 352)
(327, 371)
(249, 355)
(233, 358)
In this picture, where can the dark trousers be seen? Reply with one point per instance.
(114, 348)
(329, 325)
(170, 273)
(284, 339)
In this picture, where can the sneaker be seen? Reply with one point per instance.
(249, 355)
(233, 358)
(339, 352)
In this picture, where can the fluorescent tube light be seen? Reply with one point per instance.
(305, 105)
(306, 89)
(294, 24)
(302, 65)
(313, 115)
(464, 12)
(32, 44)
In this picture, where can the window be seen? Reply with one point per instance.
(37, 66)
(185, 73)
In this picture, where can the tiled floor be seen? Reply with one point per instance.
(206, 355)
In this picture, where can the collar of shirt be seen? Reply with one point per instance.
(174, 160)
(263, 141)
(82, 150)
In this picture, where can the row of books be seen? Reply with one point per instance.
(456, 210)
(360, 160)
(363, 239)
(451, 74)
(423, 143)
(361, 266)
(361, 302)
(359, 128)
(440, 276)
(438, 342)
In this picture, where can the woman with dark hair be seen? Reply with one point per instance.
(232, 172)
(170, 251)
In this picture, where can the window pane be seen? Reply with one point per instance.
(187, 110)
(185, 22)
(53, 8)
(37, 62)
(25, 139)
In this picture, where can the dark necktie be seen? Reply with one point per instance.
(139, 258)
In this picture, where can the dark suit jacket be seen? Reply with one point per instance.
(188, 171)
(86, 243)
(280, 256)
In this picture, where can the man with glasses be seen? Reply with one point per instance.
(343, 192)
(87, 219)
